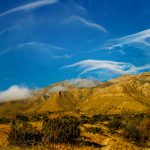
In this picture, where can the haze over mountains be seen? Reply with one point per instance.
(126, 93)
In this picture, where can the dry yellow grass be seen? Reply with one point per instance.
(107, 140)
(4, 130)
(115, 143)
(38, 125)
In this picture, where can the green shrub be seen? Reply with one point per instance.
(37, 117)
(114, 124)
(4, 120)
(61, 130)
(85, 119)
(137, 128)
(144, 129)
(100, 117)
(93, 130)
(132, 133)
(145, 126)
(94, 119)
(24, 135)
(21, 117)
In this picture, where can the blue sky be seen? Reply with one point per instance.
(47, 41)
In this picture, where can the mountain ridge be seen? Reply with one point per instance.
(125, 93)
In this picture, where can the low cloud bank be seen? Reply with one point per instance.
(57, 89)
(81, 83)
(15, 93)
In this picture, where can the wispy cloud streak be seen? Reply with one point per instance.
(37, 45)
(79, 7)
(139, 37)
(29, 6)
(87, 66)
(138, 40)
(40, 44)
(86, 22)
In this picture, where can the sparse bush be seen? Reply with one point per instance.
(139, 133)
(117, 116)
(4, 120)
(85, 119)
(93, 130)
(37, 117)
(24, 135)
(144, 129)
(100, 117)
(61, 130)
(21, 117)
(94, 119)
(132, 133)
(114, 124)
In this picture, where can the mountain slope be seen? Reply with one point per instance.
(126, 93)
(130, 92)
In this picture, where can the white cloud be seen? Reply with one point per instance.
(138, 40)
(29, 6)
(87, 66)
(57, 89)
(15, 93)
(145, 67)
(87, 23)
(80, 83)
(139, 37)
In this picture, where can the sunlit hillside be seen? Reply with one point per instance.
(126, 93)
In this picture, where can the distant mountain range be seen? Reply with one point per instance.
(126, 93)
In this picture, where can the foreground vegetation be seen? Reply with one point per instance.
(49, 130)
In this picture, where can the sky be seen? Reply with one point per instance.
(48, 41)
